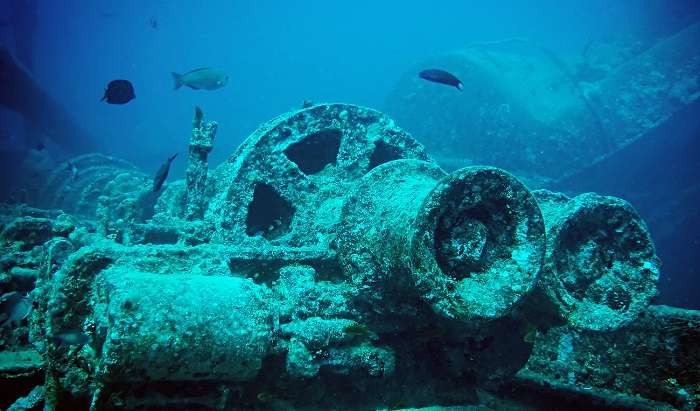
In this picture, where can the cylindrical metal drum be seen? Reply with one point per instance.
(471, 243)
(601, 268)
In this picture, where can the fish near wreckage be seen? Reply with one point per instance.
(70, 337)
(442, 77)
(205, 78)
(162, 173)
(14, 308)
(119, 92)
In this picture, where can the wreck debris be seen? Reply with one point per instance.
(328, 249)
(601, 268)
(75, 185)
(278, 197)
(471, 243)
(201, 144)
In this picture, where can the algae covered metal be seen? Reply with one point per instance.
(328, 250)
(470, 243)
(601, 268)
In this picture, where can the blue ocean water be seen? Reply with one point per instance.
(280, 54)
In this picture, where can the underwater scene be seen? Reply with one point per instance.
(367, 205)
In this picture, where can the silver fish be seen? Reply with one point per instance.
(206, 78)
(71, 337)
(15, 308)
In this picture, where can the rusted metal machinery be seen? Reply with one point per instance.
(329, 249)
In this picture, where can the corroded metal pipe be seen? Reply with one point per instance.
(470, 243)
(201, 144)
(601, 268)
(132, 326)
